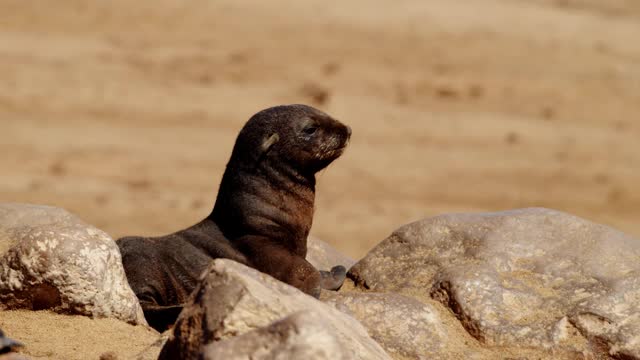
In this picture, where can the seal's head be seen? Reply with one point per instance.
(304, 138)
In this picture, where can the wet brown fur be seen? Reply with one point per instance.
(261, 218)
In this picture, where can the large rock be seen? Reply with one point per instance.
(302, 335)
(411, 329)
(234, 299)
(407, 328)
(526, 278)
(50, 259)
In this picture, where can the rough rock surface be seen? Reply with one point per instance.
(411, 329)
(324, 256)
(50, 259)
(302, 335)
(234, 299)
(531, 278)
(407, 328)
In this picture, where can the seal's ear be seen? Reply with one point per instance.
(266, 145)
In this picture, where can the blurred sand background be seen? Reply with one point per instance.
(125, 112)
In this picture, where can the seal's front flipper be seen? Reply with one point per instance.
(161, 317)
(332, 280)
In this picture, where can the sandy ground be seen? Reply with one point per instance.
(50, 336)
(125, 112)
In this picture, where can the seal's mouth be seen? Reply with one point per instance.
(344, 143)
(337, 151)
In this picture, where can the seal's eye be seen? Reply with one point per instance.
(310, 130)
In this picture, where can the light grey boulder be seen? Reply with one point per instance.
(407, 328)
(302, 335)
(324, 256)
(50, 259)
(233, 299)
(530, 278)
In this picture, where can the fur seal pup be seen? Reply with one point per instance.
(261, 217)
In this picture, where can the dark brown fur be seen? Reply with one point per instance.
(262, 216)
